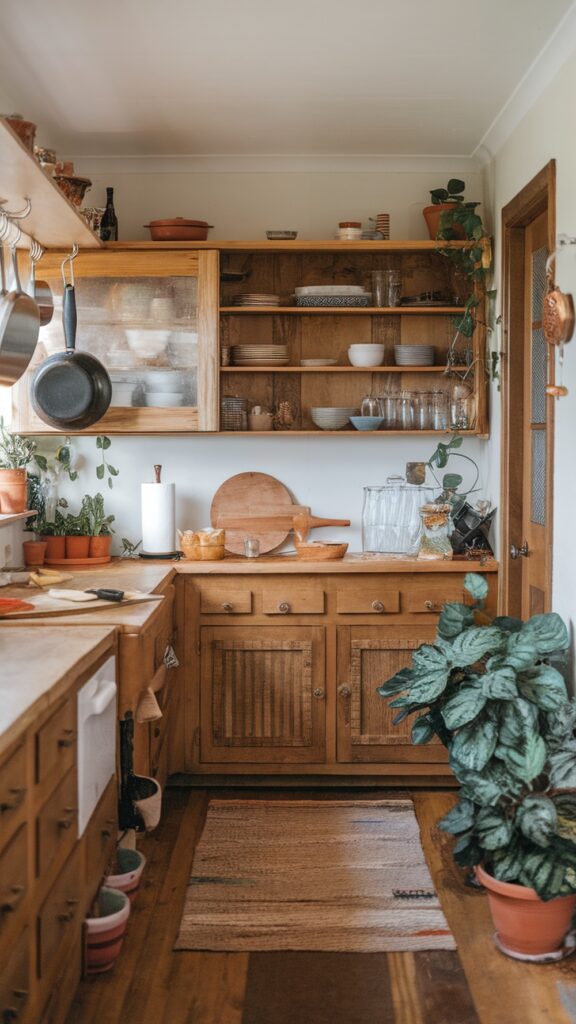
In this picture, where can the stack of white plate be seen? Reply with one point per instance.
(414, 355)
(164, 388)
(256, 299)
(330, 289)
(331, 418)
(260, 355)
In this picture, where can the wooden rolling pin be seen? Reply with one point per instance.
(269, 522)
(304, 522)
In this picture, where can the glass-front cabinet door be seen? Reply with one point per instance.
(150, 315)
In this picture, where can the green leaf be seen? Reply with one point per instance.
(450, 481)
(562, 767)
(73, 475)
(507, 862)
(501, 684)
(106, 442)
(431, 671)
(528, 763)
(509, 624)
(520, 652)
(457, 441)
(518, 720)
(476, 585)
(422, 731)
(99, 440)
(41, 461)
(467, 852)
(491, 784)
(537, 819)
(100, 472)
(454, 619)
(113, 470)
(492, 828)
(558, 726)
(547, 632)
(438, 195)
(545, 687)
(464, 706)
(110, 484)
(543, 873)
(397, 684)
(473, 644)
(474, 745)
(455, 186)
(459, 819)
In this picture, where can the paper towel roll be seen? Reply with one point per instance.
(158, 518)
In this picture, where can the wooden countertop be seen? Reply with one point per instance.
(351, 563)
(38, 667)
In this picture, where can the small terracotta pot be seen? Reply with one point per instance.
(432, 216)
(25, 130)
(524, 923)
(13, 490)
(100, 546)
(77, 547)
(34, 552)
(129, 867)
(105, 934)
(55, 547)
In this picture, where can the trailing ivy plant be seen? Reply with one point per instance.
(451, 481)
(105, 468)
(492, 693)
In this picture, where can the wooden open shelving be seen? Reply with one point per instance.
(339, 369)
(341, 310)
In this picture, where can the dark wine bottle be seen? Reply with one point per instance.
(109, 222)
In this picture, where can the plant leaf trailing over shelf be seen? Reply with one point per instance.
(492, 692)
(103, 443)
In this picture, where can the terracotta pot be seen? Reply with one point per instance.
(432, 216)
(13, 490)
(77, 547)
(25, 130)
(129, 867)
(55, 547)
(524, 923)
(178, 230)
(100, 546)
(34, 552)
(105, 934)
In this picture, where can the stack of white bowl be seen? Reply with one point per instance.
(331, 417)
(164, 388)
(414, 355)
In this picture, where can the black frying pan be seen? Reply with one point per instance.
(71, 390)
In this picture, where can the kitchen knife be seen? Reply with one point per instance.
(107, 594)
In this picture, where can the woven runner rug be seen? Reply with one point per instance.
(337, 876)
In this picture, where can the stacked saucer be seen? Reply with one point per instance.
(256, 299)
(414, 355)
(260, 355)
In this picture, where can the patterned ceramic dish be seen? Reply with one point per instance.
(334, 300)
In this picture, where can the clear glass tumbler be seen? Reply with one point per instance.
(439, 410)
(371, 405)
(405, 407)
(422, 411)
(385, 288)
(389, 405)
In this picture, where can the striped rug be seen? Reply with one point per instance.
(334, 876)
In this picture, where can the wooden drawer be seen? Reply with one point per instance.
(13, 785)
(431, 599)
(225, 601)
(293, 599)
(57, 823)
(15, 981)
(13, 877)
(60, 913)
(56, 742)
(99, 841)
(367, 601)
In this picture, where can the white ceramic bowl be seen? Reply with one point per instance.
(148, 344)
(366, 355)
(331, 418)
(164, 399)
(170, 381)
(122, 393)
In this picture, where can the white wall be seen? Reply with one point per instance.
(546, 132)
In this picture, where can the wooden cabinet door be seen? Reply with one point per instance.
(367, 657)
(262, 694)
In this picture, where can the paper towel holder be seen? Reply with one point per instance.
(165, 555)
(157, 474)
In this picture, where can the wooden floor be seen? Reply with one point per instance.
(151, 984)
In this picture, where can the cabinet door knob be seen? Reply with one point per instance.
(227, 607)
(521, 552)
(344, 691)
(284, 607)
(10, 904)
(16, 796)
(432, 606)
(318, 692)
(377, 606)
(65, 918)
(68, 739)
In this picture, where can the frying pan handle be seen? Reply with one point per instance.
(69, 318)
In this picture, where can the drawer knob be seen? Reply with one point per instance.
(105, 833)
(10, 904)
(344, 691)
(227, 606)
(377, 606)
(66, 916)
(68, 821)
(284, 607)
(15, 799)
(318, 692)
(68, 739)
(432, 606)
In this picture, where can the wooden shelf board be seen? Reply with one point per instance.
(351, 433)
(341, 310)
(12, 517)
(303, 245)
(339, 369)
(53, 220)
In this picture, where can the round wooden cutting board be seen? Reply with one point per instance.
(253, 494)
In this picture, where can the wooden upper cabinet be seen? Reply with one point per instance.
(151, 316)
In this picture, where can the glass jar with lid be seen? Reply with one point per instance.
(436, 528)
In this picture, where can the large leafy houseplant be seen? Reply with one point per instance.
(491, 691)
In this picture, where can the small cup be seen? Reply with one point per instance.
(251, 547)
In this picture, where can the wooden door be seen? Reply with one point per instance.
(367, 657)
(528, 414)
(262, 697)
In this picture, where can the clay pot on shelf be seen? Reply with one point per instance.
(34, 552)
(432, 216)
(127, 872)
(25, 130)
(73, 188)
(105, 933)
(178, 229)
(13, 491)
(526, 926)
(100, 546)
(77, 547)
(55, 547)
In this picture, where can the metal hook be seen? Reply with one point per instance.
(19, 214)
(69, 259)
(562, 242)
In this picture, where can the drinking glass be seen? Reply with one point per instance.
(371, 406)
(422, 410)
(389, 411)
(439, 410)
(406, 411)
(385, 288)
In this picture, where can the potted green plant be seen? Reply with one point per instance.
(98, 525)
(446, 200)
(492, 693)
(77, 536)
(16, 453)
(54, 534)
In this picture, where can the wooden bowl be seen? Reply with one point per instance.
(317, 551)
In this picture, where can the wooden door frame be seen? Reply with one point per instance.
(538, 196)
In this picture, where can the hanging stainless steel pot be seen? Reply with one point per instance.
(40, 290)
(19, 319)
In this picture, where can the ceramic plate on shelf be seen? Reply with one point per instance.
(318, 362)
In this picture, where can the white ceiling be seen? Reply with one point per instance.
(154, 77)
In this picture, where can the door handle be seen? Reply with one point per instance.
(522, 552)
